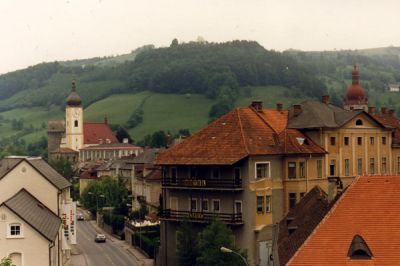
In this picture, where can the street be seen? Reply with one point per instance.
(111, 253)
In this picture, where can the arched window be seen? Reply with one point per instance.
(76, 123)
(16, 258)
(359, 122)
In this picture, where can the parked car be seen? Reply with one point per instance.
(100, 238)
(80, 217)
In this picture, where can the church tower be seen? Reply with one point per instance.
(355, 98)
(74, 121)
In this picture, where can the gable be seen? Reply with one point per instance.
(366, 120)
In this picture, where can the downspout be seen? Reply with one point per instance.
(59, 237)
(52, 244)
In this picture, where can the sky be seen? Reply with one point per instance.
(47, 30)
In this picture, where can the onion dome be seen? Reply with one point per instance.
(355, 93)
(74, 99)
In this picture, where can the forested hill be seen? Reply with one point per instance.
(212, 69)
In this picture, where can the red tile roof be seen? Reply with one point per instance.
(236, 135)
(369, 208)
(93, 132)
(390, 120)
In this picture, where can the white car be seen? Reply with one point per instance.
(100, 238)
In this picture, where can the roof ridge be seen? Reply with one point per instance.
(262, 118)
(241, 130)
(329, 213)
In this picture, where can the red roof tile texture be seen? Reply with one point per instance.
(390, 120)
(369, 208)
(236, 135)
(93, 132)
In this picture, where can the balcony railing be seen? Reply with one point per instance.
(201, 217)
(228, 183)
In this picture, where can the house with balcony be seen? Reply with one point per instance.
(238, 170)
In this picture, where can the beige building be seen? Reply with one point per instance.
(32, 195)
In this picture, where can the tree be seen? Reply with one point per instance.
(187, 251)
(211, 239)
(6, 261)
(174, 43)
(63, 166)
(122, 134)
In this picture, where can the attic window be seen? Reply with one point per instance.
(300, 140)
(359, 122)
(359, 249)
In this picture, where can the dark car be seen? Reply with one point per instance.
(100, 238)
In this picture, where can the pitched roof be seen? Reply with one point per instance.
(34, 213)
(390, 121)
(368, 208)
(64, 150)
(315, 114)
(236, 135)
(146, 157)
(305, 216)
(8, 163)
(93, 132)
(56, 126)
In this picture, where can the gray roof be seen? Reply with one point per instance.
(315, 114)
(7, 164)
(33, 212)
(147, 156)
(56, 126)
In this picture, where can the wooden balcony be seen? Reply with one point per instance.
(201, 217)
(203, 183)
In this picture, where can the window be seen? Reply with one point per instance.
(383, 170)
(262, 170)
(398, 165)
(14, 230)
(236, 173)
(346, 167)
(238, 206)
(333, 141)
(292, 200)
(383, 140)
(319, 168)
(302, 166)
(193, 172)
(372, 140)
(359, 140)
(193, 204)
(260, 204)
(215, 205)
(359, 166)
(372, 166)
(204, 205)
(332, 168)
(267, 204)
(346, 141)
(359, 122)
(302, 194)
(174, 175)
(215, 172)
(76, 123)
(291, 170)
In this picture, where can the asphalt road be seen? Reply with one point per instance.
(111, 253)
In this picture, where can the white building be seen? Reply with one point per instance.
(33, 197)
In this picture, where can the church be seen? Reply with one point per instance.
(66, 138)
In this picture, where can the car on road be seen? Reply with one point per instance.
(100, 238)
(80, 217)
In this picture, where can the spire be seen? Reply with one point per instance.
(105, 119)
(73, 86)
(74, 99)
(355, 75)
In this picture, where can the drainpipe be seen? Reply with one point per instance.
(52, 244)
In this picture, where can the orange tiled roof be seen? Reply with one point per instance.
(368, 208)
(390, 120)
(236, 135)
(93, 132)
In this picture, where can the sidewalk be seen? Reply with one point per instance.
(77, 258)
(141, 259)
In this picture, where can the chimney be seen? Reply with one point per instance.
(105, 120)
(325, 99)
(279, 107)
(383, 110)
(296, 109)
(257, 105)
(391, 112)
(371, 110)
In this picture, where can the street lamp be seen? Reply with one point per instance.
(227, 250)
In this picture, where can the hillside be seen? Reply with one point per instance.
(184, 86)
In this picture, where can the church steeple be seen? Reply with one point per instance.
(74, 99)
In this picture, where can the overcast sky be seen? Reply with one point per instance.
(34, 31)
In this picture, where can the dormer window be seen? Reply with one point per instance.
(359, 122)
(359, 249)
